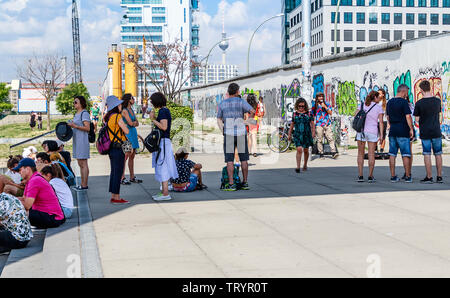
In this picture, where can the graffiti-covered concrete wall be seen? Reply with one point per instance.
(346, 79)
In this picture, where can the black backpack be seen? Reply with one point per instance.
(91, 132)
(153, 141)
(360, 119)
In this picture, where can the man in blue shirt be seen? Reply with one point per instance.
(230, 118)
(401, 132)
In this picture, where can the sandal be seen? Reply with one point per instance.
(136, 180)
(305, 169)
(125, 182)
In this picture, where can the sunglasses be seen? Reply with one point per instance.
(75, 102)
(301, 106)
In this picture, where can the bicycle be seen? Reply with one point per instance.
(279, 141)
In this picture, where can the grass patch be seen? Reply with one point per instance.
(23, 130)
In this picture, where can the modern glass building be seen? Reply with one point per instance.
(363, 23)
(160, 21)
(287, 6)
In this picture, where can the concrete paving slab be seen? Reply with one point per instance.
(317, 224)
(259, 253)
(180, 267)
(161, 240)
(395, 259)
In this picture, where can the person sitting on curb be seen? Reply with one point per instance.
(15, 227)
(65, 154)
(54, 175)
(188, 180)
(43, 159)
(39, 199)
(11, 182)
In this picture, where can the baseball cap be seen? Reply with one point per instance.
(26, 162)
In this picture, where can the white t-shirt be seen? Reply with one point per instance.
(63, 192)
(14, 176)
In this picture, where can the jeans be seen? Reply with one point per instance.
(8, 242)
(117, 161)
(401, 143)
(436, 144)
(67, 212)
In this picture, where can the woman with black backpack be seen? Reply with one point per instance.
(372, 133)
(117, 130)
(163, 160)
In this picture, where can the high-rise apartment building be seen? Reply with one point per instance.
(363, 23)
(160, 21)
(217, 73)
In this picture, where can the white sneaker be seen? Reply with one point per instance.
(158, 195)
(162, 198)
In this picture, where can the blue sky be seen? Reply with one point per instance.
(28, 26)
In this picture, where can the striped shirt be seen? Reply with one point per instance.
(232, 111)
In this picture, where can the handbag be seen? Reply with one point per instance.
(127, 147)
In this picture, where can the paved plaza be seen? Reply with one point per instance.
(315, 224)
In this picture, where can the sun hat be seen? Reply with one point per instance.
(112, 102)
(63, 131)
(26, 162)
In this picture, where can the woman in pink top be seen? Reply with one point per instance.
(372, 134)
(39, 198)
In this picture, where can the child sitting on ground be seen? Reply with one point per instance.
(190, 176)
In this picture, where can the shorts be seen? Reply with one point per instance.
(95, 118)
(367, 137)
(401, 143)
(190, 186)
(230, 143)
(436, 144)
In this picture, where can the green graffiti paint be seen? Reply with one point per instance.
(346, 100)
(405, 78)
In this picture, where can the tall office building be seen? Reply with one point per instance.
(364, 23)
(286, 7)
(160, 21)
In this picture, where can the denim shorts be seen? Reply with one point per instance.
(367, 137)
(436, 144)
(403, 144)
(190, 186)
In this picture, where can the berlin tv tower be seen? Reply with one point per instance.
(224, 44)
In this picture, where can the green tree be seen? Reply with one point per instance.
(64, 101)
(4, 93)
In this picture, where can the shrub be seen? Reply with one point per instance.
(182, 121)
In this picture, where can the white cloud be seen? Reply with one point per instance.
(241, 19)
(14, 5)
(46, 25)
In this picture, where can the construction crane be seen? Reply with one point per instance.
(76, 42)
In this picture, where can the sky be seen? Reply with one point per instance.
(45, 26)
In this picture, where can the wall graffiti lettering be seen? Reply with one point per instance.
(404, 78)
(318, 84)
(346, 100)
(445, 67)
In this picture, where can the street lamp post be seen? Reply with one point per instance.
(253, 35)
(207, 58)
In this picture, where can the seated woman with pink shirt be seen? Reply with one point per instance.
(39, 198)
